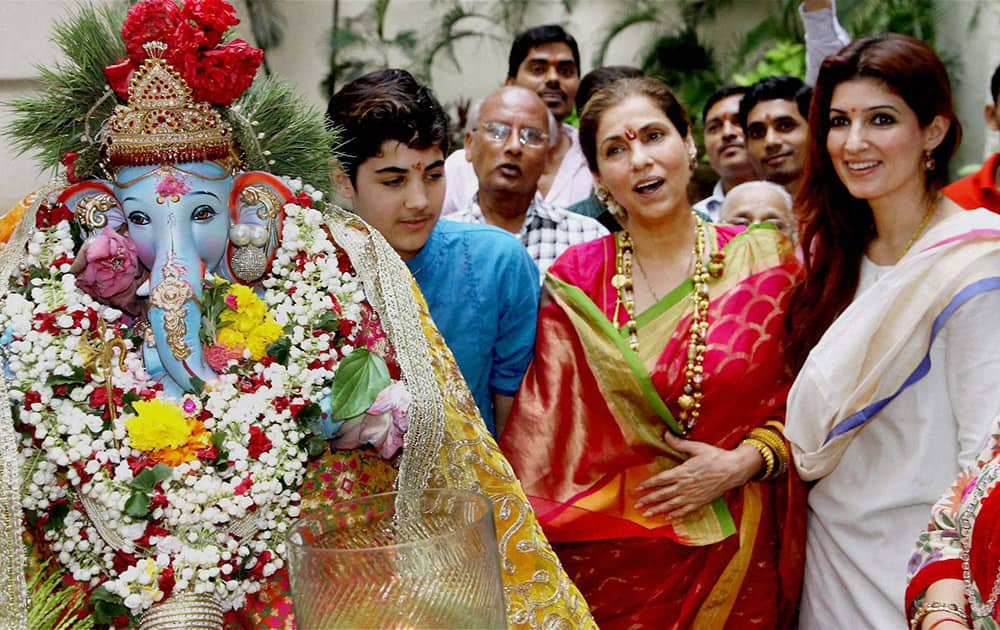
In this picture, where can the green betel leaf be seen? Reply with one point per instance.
(78, 377)
(359, 379)
(107, 606)
(137, 504)
(149, 477)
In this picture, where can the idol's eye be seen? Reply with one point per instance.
(203, 213)
(137, 217)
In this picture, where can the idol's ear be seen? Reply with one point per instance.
(256, 205)
(94, 205)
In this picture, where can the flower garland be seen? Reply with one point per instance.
(139, 496)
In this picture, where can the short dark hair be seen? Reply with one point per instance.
(779, 88)
(600, 77)
(537, 36)
(730, 89)
(995, 84)
(385, 105)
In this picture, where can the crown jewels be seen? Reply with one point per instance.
(161, 122)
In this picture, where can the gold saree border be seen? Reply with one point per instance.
(715, 610)
(447, 443)
(14, 598)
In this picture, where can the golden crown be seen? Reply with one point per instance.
(161, 122)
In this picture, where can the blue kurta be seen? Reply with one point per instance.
(482, 290)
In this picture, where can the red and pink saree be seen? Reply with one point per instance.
(587, 428)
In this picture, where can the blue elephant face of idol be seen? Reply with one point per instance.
(182, 209)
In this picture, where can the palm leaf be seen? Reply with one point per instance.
(644, 15)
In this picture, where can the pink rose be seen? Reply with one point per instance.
(111, 264)
(382, 426)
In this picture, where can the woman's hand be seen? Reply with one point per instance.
(707, 475)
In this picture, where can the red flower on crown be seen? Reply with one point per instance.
(217, 74)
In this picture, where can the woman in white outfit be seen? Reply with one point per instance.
(894, 330)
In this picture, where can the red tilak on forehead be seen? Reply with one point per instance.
(767, 118)
(630, 133)
(854, 110)
(419, 166)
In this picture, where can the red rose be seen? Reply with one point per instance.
(166, 581)
(184, 46)
(149, 21)
(345, 327)
(208, 454)
(257, 572)
(302, 199)
(118, 75)
(158, 500)
(221, 75)
(213, 16)
(68, 160)
(51, 216)
(31, 397)
(243, 486)
(259, 443)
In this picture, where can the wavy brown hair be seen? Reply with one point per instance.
(834, 227)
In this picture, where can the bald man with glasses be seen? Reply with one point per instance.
(510, 136)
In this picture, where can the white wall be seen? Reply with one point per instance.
(303, 58)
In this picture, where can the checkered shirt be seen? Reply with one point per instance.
(547, 231)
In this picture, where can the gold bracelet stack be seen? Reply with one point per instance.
(945, 607)
(770, 443)
(765, 452)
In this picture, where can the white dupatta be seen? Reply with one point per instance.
(880, 345)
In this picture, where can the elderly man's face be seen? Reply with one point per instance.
(757, 204)
(551, 72)
(509, 146)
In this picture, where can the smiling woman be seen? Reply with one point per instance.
(892, 330)
(661, 478)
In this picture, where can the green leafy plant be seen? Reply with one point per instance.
(54, 604)
(786, 58)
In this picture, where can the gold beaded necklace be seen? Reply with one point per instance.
(690, 400)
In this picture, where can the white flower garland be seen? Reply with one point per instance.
(203, 506)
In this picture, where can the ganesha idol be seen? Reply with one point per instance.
(195, 353)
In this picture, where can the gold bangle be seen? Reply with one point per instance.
(944, 607)
(776, 443)
(766, 453)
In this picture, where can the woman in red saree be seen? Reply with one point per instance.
(648, 431)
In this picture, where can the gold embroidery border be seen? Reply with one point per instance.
(13, 586)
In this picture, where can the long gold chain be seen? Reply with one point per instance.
(694, 373)
(920, 228)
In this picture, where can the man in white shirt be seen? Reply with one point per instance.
(545, 60)
(509, 137)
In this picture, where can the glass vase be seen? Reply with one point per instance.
(424, 559)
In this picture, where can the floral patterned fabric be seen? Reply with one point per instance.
(965, 519)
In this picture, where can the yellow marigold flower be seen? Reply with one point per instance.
(262, 336)
(157, 425)
(231, 339)
(198, 439)
(250, 310)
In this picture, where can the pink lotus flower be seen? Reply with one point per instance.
(111, 264)
(382, 426)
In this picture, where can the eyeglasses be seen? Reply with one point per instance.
(528, 136)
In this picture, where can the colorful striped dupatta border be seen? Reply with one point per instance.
(867, 413)
(880, 346)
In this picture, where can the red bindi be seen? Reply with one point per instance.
(418, 166)
(630, 133)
